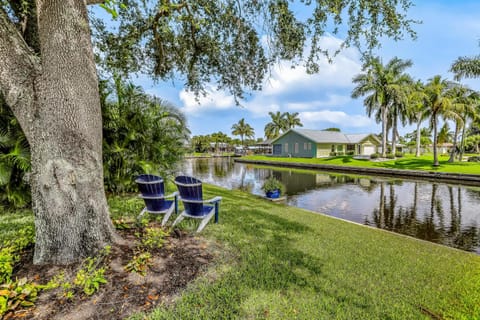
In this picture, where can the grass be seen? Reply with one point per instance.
(280, 262)
(408, 162)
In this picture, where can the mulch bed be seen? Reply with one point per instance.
(181, 259)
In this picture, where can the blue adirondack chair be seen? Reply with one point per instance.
(190, 190)
(152, 191)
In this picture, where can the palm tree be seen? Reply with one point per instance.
(292, 120)
(277, 125)
(466, 67)
(470, 111)
(438, 103)
(243, 129)
(464, 100)
(416, 110)
(382, 87)
(444, 135)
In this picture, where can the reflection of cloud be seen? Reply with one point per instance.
(318, 119)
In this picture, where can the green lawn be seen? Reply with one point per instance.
(280, 262)
(408, 162)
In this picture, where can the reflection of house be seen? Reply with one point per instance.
(316, 143)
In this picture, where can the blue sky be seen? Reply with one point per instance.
(450, 29)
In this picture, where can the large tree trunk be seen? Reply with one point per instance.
(65, 135)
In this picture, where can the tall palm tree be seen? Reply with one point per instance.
(243, 129)
(471, 111)
(381, 84)
(277, 125)
(416, 110)
(438, 103)
(463, 107)
(466, 67)
(292, 120)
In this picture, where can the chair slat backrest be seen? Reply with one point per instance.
(152, 186)
(190, 189)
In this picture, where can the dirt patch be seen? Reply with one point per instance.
(181, 259)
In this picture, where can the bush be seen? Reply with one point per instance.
(340, 153)
(333, 154)
(374, 156)
(399, 154)
(474, 159)
(350, 153)
(390, 156)
(272, 184)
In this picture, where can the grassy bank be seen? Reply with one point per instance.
(280, 262)
(408, 162)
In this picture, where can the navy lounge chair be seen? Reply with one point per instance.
(152, 191)
(190, 190)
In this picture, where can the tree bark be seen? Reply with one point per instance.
(435, 139)
(59, 107)
(384, 116)
(454, 147)
(417, 151)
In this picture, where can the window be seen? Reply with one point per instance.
(304, 146)
(296, 147)
(333, 148)
(286, 147)
(309, 146)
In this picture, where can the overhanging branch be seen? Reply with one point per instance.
(94, 1)
(19, 68)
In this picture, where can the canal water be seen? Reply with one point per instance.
(447, 214)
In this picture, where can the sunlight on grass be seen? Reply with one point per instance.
(281, 262)
(408, 162)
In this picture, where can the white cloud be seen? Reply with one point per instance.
(332, 100)
(318, 119)
(212, 100)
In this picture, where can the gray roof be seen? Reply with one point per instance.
(320, 136)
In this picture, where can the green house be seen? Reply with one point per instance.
(305, 143)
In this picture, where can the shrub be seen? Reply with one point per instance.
(340, 153)
(374, 156)
(398, 154)
(474, 159)
(333, 154)
(350, 153)
(390, 156)
(272, 184)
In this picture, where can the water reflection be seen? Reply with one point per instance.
(436, 212)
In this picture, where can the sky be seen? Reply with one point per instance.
(449, 29)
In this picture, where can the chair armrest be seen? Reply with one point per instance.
(172, 195)
(213, 200)
(159, 197)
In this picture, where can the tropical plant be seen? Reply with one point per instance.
(416, 111)
(272, 184)
(243, 129)
(383, 86)
(141, 134)
(277, 125)
(292, 120)
(438, 103)
(14, 160)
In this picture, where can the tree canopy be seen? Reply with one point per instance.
(233, 43)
